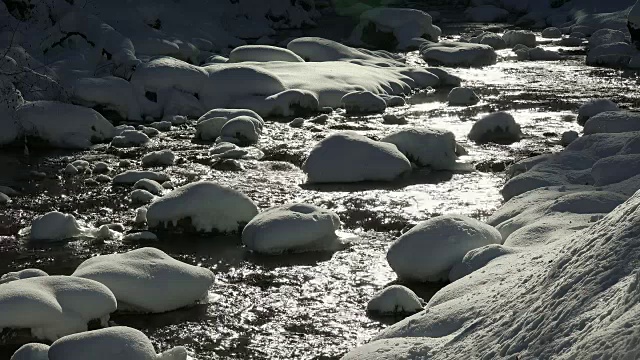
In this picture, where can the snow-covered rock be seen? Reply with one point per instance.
(488, 38)
(292, 227)
(132, 176)
(130, 138)
(524, 37)
(262, 53)
(594, 107)
(110, 92)
(486, 13)
(164, 157)
(55, 226)
(428, 251)
(141, 196)
(612, 122)
(32, 351)
(350, 157)
(616, 54)
(499, 127)
(244, 129)
(148, 280)
(363, 102)
(22, 274)
(426, 146)
(395, 299)
(552, 33)
(461, 96)
(606, 36)
(209, 129)
(150, 185)
(207, 206)
(449, 53)
(54, 306)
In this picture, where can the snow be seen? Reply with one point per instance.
(498, 127)
(488, 38)
(524, 37)
(110, 92)
(130, 138)
(426, 146)
(262, 53)
(612, 122)
(55, 226)
(208, 205)
(448, 53)
(132, 176)
(486, 13)
(395, 299)
(390, 28)
(54, 306)
(243, 129)
(461, 96)
(151, 186)
(119, 342)
(349, 157)
(63, 125)
(292, 228)
(551, 33)
(594, 107)
(363, 102)
(429, 250)
(22, 274)
(148, 280)
(159, 158)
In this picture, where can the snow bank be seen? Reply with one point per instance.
(594, 107)
(350, 157)
(426, 147)
(453, 54)
(461, 96)
(394, 28)
(207, 205)
(22, 274)
(499, 127)
(428, 251)
(395, 299)
(612, 122)
(148, 280)
(262, 53)
(54, 306)
(486, 13)
(363, 102)
(293, 227)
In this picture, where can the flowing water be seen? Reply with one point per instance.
(304, 306)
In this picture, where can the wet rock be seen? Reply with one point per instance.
(568, 137)
(101, 168)
(395, 299)
(322, 119)
(392, 119)
(228, 165)
(297, 123)
(103, 178)
(4, 199)
(70, 170)
(461, 96)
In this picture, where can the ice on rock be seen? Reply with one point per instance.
(292, 227)
(133, 176)
(349, 157)
(523, 37)
(551, 33)
(141, 196)
(159, 158)
(536, 54)
(161, 125)
(262, 53)
(63, 125)
(461, 96)
(499, 127)
(230, 114)
(315, 49)
(210, 124)
(149, 185)
(395, 299)
(453, 54)
(612, 122)
(22, 274)
(363, 102)
(243, 129)
(148, 280)
(426, 146)
(594, 107)
(429, 250)
(488, 38)
(110, 92)
(54, 306)
(207, 205)
(391, 28)
(486, 13)
(130, 138)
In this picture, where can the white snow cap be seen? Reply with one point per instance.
(449, 53)
(461, 96)
(395, 299)
(22, 274)
(148, 280)
(350, 157)
(429, 250)
(54, 306)
(426, 146)
(208, 205)
(292, 227)
(498, 127)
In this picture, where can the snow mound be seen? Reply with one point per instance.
(426, 146)
(523, 37)
(486, 13)
(488, 38)
(394, 28)
(594, 107)
(461, 96)
(243, 129)
(292, 227)
(159, 158)
(350, 157)
(63, 125)
(208, 205)
(552, 33)
(132, 176)
(448, 53)
(22, 274)
(363, 102)
(395, 299)
(148, 280)
(499, 127)
(54, 306)
(130, 138)
(429, 250)
(612, 122)
(262, 53)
